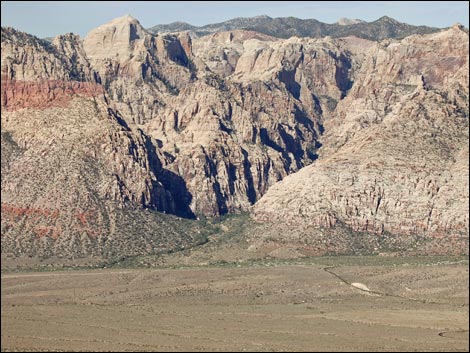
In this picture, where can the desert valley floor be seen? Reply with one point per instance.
(187, 191)
(410, 304)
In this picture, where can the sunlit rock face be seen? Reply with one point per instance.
(322, 132)
(395, 157)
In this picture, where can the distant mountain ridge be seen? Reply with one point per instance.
(286, 27)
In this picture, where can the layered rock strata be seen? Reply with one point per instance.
(375, 135)
(395, 159)
(71, 165)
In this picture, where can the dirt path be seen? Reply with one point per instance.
(384, 294)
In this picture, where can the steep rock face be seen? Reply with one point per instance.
(139, 71)
(125, 120)
(200, 102)
(28, 58)
(396, 152)
(256, 118)
(317, 72)
(220, 52)
(231, 146)
(19, 94)
(117, 39)
(71, 166)
(436, 62)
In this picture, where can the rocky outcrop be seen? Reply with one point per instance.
(395, 159)
(343, 21)
(27, 58)
(219, 53)
(72, 169)
(200, 104)
(18, 94)
(250, 120)
(138, 70)
(124, 121)
(118, 39)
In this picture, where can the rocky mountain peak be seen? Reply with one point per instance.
(387, 19)
(123, 21)
(204, 126)
(115, 39)
(460, 27)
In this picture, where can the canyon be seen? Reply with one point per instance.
(125, 142)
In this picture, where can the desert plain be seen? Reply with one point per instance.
(312, 304)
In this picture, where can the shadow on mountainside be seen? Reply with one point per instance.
(173, 184)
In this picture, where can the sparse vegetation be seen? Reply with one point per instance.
(109, 308)
(331, 103)
(286, 27)
(216, 82)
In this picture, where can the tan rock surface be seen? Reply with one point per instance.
(117, 39)
(227, 144)
(396, 152)
(251, 119)
(126, 120)
(72, 170)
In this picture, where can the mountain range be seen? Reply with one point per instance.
(286, 27)
(124, 142)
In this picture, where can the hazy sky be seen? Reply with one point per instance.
(49, 18)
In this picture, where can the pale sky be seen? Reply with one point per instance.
(49, 18)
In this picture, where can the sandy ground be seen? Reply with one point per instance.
(257, 308)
